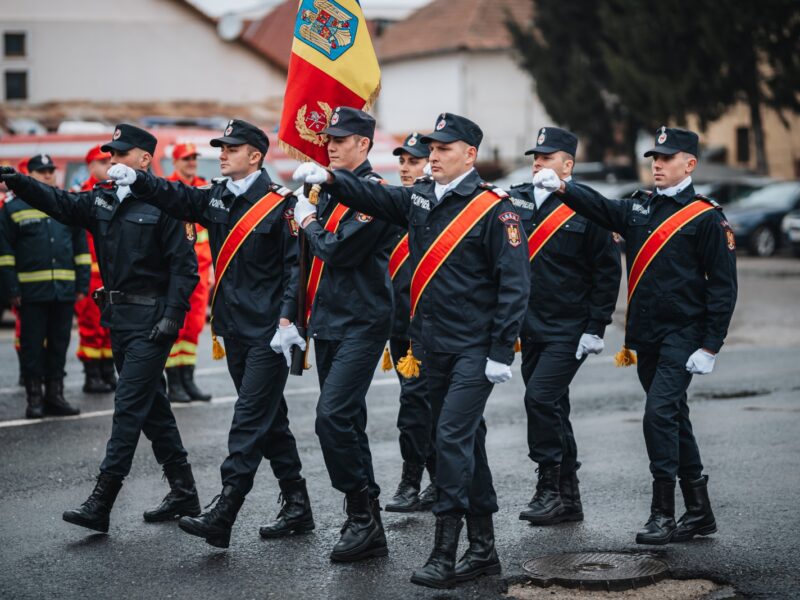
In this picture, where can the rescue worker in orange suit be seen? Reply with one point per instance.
(183, 357)
(94, 345)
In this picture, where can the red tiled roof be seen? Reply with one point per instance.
(447, 25)
(272, 35)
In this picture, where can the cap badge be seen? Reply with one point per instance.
(45, 159)
(441, 125)
(412, 141)
(335, 117)
(663, 137)
(540, 139)
(229, 130)
(116, 135)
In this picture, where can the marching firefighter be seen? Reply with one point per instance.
(94, 345)
(469, 293)
(183, 357)
(682, 289)
(253, 236)
(149, 269)
(414, 418)
(45, 266)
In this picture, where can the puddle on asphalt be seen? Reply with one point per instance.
(729, 394)
(666, 589)
(788, 409)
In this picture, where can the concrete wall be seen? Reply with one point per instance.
(122, 50)
(487, 87)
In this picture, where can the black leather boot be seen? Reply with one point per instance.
(94, 513)
(194, 392)
(362, 536)
(481, 557)
(375, 507)
(182, 498)
(175, 390)
(93, 382)
(660, 527)
(406, 498)
(439, 570)
(215, 525)
(54, 402)
(546, 508)
(428, 497)
(295, 515)
(571, 497)
(34, 398)
(109, 372)
(698, 518)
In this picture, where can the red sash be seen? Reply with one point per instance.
(659, 238)
(317, 265)
(398, 257)
(447, 241)
(542, 234)
(236, 236)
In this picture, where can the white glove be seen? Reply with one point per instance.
(701, 362)
(285, 337)
(497, 372)
(303, 209)
(122, 175)
(589, 344)
(426, 170)
(547, 180)
(310, 172)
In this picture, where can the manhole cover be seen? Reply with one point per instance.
(596, 570)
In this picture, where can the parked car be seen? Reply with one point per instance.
(729, 190)
(790, 226)
(756, 218)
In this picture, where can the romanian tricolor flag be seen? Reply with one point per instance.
(333, 64)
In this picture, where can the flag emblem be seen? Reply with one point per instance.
(326, 26)
(309, 125)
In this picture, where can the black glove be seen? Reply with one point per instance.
(8, 173)
(166, 330)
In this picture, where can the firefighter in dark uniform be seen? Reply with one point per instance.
(575, 275)
(414, 416)
(469, 317)
(149, 269)
(46, 268)
(351, 316)
(678, 314)
(257, 300)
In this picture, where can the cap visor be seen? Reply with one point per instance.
(116, 145)
(661, 150)
(42, 168)
(541, 150)
(227, 140)
(337, 132)
(439, 136)
(409, 150)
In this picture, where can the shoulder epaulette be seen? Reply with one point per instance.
(279, 189)
(490, 186)
(216, 180)
(641, 194)
(711, 201)
(375, 177)
(520, 184)
(423, 179)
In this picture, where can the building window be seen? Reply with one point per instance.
(743, 145)
(16, 85)
(13, 45)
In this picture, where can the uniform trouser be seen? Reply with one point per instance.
(671, 446)
(547, 369)
(417, 428)
(45, 328)
(458, 390)
(141, 404)
(260, 427)
(345, 369)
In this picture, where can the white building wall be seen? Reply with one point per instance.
(487, 87)
(122, 50)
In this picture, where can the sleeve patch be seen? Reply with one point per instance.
(362, 218)
(191, 235)
(509, 217)
(511, 222)
(288, 216)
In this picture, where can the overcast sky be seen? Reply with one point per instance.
(372, 8)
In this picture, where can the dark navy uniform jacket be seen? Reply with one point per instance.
(354, 298)
(687, 295)
(260, 284)
(476, 301)
(41, 260)
(574, 277)
(140, 250)
(401, 286)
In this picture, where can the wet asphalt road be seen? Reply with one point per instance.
(746, 417)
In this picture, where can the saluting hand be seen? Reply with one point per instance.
(497, 372)
(122, 175)
(310, 172)
(547, 180)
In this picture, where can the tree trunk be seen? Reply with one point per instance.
(754, 100)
